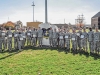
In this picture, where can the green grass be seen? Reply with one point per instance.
(48, 62)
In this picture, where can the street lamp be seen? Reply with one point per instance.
(33, 10)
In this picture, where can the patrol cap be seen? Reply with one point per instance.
(90, 29)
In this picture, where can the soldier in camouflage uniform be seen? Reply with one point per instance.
(34, 35)
(90, 39)
(20, 40)
(24, 37)
(15, 34)
(0, 39)
(97, 41)
(61, 39)
(5, 38)
(50, 37)
(74, 40)
(84, 39)
(40, 36)
(3, 42)
(9, 34)
(28, 36)
(79, 38)
(67, 39)
(55, 37)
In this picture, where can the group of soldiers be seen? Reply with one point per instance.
(63, 38)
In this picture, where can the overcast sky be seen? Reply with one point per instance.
(58, 10)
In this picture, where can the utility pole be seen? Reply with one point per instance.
(33, 10)
(46, 9)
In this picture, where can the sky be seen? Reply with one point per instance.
(58, 10)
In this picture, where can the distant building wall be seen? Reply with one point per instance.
(60, 25)
(94, 22)
(33, 24)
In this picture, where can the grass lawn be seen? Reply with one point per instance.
(48, 62)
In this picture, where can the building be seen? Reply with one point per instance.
(60, 25)
(8, 24)
(33, 24)
(95, 20)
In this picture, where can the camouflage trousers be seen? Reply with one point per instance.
(33, 42)
(3, 43)
(54, 42)
(74, 45)
(79, 43)
(20, 44)
(61, 43)
(67, 44)
(0, 44)
(28, 40)
(15, 43)
(10, 44)
(40, 41)
(91, 46)
(84, 44)
(23, 42)
(96, 46)
(50, 41)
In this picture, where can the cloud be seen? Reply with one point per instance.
(58, 10)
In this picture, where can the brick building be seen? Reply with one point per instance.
(33, 24)
(95, 21)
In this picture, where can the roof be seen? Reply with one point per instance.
(96, 15)
(60, 25)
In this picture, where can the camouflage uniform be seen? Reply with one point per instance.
(97, 41)
(20, 40)
(91, 42)
(40, 37)
(15, 33)
(4, 39)
(50, 37)
(28, 37)
(9, 34)
(0, 40)
(84, 38)
(74, 41)
(67, 40)
(61, 39)
(79, 39)
(34, 35)
(24, 39)
(55, 37)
